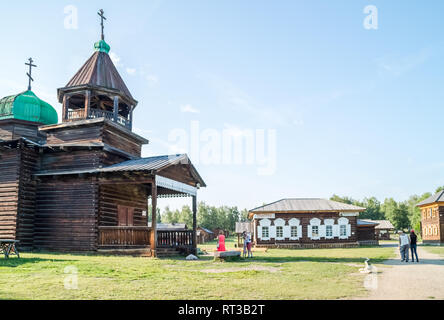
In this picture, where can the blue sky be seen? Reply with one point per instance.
(356, 112)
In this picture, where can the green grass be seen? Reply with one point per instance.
(276, 274)
(435, 249)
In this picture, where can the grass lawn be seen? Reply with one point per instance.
(435, 249)
(276, 274)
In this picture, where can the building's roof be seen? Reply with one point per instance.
(206, 230)
(27, 106)
(306, 205)
(169, 226)
(362, 222)
(438, 197)
(244, 226)
(99, 71)
(143, 164)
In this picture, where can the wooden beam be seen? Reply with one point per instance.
(153, 234)
(87, 103)
(65, 108)
(131, 118)
(195, 224)
(116, 108)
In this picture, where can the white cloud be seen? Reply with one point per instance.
(188, 108)
(397, 65)
(131, 71)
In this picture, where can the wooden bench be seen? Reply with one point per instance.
(8, 248)
(227, 255)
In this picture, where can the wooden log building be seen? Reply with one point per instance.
(82, 184)
(309, 223)
(432, 219)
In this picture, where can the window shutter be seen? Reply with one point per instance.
(348, 230)
(287, 232)
(309, 231)
(322, 231)
(335, 230)
(299, 231)
(259, 232)
(272, 232)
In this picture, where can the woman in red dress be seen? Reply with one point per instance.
(221, 242)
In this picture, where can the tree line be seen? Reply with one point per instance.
(403, 214)
(209, 217)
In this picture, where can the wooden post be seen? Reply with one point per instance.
(87, 103)
(131, 118)
(194, 240)
(116, 108)
(153, 240)
(65, 108)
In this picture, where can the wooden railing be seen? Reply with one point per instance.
(79, 114)
(175, 239)
(124, 236)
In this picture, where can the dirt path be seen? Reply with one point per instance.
(409, 281)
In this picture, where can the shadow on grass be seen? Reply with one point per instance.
(14, 262)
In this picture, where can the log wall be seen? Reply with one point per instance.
(66, 215)
(134, 196)
(304, 222)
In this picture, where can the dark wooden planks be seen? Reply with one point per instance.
(66, 215)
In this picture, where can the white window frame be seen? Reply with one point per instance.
(315, 222)
(293, 222)
(264, 223)
(344, 222)
(279, 223)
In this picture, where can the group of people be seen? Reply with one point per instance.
(407, 242)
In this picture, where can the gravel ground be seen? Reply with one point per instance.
(398, 280)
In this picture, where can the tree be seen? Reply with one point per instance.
(346, 200)
(373, 209)
(439, 189)
(400, 216)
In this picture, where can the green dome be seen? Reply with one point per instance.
(102, 46)
(27, 106)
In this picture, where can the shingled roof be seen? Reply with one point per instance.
(307, 205)
(99, 71)
(438, 197)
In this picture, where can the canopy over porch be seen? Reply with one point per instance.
(154, 177)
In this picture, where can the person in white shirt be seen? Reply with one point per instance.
(404, 245)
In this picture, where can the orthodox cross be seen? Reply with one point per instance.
(102, 17)
(29, 74)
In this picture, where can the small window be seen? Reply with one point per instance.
(294, 231)
(265, 233)
(315, 231)
(343, 230)
(329, 231)
(279, 232)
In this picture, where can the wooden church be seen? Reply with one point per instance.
(82, 184)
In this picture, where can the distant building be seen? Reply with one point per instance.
(310, 223)
(367, 234)
(382, 229)
(204, 235)
(432, 218)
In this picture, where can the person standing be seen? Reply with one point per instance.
(244, 237)
(221, 242)
(404, 242)
(413, 239)
(249, 244)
